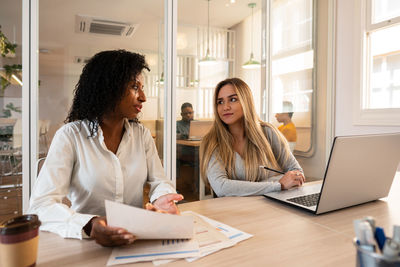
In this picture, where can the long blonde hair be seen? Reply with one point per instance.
(257, 149)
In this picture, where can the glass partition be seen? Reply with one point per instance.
(292, 71)
(68, 39)
(10, 109)
(215, 40)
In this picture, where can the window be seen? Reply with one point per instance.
(379, 102)
(383, 55)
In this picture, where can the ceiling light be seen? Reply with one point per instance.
(251, 63)
(161, 80)
(44, 51)
(208, 60)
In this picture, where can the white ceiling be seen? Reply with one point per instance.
(57, 18)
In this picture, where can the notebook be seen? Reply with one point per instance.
(360, 169)
(198, 129)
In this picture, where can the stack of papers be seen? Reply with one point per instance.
(203, 236)
(150, 250)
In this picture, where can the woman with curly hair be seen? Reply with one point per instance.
(102, 152)
(239, 143)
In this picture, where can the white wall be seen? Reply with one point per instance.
(346, 50)
(55, 99)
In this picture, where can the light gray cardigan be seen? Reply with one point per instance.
(238, 186)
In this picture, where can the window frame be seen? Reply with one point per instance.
(363, 64)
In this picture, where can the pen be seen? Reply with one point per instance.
(380, 237)
(265, 167)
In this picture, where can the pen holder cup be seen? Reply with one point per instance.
(365, 258)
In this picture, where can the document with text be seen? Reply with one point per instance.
(149, 250)
(211, 236)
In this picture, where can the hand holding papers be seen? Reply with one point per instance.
(146, 224)
(207, 236)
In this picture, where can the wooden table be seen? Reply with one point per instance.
(283, 235)
(188, 143)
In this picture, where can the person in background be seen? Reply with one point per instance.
(288, 129)
(185, 155)
(239, 143)
(102, 152)
(183, 126)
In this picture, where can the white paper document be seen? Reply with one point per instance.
(148, 250)
(146, 224)
(233, 236)
(211, 235)
(190, 236)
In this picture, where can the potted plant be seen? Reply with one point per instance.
(7, 49)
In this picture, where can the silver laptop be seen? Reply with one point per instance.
(360, 169)
(198, 129)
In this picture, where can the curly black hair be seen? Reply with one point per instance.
(102, 85)
(186, 105)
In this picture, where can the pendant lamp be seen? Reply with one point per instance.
(208, 60)
(251, 64)
(161, 80)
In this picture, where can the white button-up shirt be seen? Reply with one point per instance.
(83, 169)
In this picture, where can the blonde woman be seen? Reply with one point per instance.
(239, 142)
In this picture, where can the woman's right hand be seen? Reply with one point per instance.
(109, 236)
(292, 179)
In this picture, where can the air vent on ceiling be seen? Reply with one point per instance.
(86, 24)
(81, 59)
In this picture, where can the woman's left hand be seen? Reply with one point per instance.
(166, 204)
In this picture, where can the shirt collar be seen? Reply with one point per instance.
(127, 127)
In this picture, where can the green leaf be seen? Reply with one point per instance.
(6, 46)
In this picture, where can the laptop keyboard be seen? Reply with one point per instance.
(307, 200)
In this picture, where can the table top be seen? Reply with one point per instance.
(189, 142)
(283, 235)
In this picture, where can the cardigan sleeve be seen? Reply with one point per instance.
(284, 157)
(223, 186)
